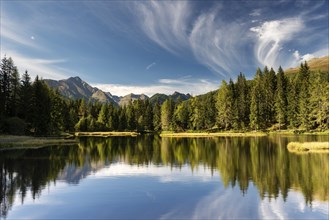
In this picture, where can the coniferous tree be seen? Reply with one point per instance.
(243, 101)
(304, 96)
(122, 120)
(157, 116)
(167, 110)
(281, 98)
(148, 119)
(197, 113)
(319, 101)
(181, 116)
(292, 98)
(234, 104)
(83, 110)
(269, 88)
(131, 120)
(110, 118)
(56, 112)
(257, 108)
(14, 96)
(209, 106)
(70, 117)
(224, 107)
(25, 98)
(41, 107)
(102, 119)
(6, 71)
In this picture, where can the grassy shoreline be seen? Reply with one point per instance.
(13, 142)
(320, 147)
(217, 134)
(239, 134)
(105, 134)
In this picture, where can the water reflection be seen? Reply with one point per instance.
(260, 164)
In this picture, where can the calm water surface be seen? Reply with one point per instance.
(149, 177)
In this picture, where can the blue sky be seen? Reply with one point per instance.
(161, 46)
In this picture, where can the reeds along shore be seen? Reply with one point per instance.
(308, 147)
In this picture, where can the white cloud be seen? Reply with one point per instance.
(45, 68)
(165, 22)
(270, 37)
(216, 44)
(12, 33)
(150, 66)
(165, 174)
(297, 58)
(256, 12)
(291, 207)
(166, 86)
(307, 57)
(212, 42)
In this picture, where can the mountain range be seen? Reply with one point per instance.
(76, 88)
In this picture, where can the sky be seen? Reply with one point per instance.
(160, 46)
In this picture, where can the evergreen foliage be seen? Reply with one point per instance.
(269, 101)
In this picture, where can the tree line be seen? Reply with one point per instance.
(268, 101)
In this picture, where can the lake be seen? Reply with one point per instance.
(149, 177)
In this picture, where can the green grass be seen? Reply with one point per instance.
(300, 132)
(217, 134)
(11, 141)
(308, 146)
(105, 134)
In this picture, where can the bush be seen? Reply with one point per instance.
(15, 126)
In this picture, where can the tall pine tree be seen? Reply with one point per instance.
(281, 98)
(257, 105)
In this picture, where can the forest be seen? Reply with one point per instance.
(270, 101)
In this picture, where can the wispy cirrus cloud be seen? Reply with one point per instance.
(212, 42)
(270, 38)
(165, 22)
(256, 12)
(165, 86)
(11, 32)
(216, 44)
(150, 66)
(45, 68)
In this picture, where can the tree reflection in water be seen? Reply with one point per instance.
(263, 160)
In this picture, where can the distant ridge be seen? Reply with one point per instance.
(315, 64)
(76, 88)
(125, 100)
(160, 98)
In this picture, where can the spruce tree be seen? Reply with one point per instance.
(41, 108)
(243, 101)
(56, 112)
(14, 96)
(224, 105)
(257, 105)
(157, 116)
(102, 119)
(269, 88)
(292, 98)
(319, 101)
(25, 98)
(281, 98)
(6, 72)
(167, 110)
(304, 96)
(181, 116)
